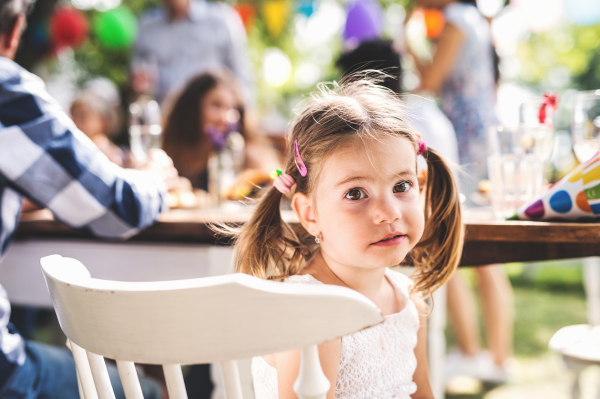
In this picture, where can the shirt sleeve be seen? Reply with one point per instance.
(46, 158)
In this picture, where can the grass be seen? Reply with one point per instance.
(547, 296)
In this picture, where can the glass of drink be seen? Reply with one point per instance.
(517, 159)
(585, 124)
(145, 127)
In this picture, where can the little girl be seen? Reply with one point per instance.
(351, 172)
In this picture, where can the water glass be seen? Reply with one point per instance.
(145, 128)
(585, 124)
(517, 159)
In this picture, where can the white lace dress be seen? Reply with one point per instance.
(375, 363)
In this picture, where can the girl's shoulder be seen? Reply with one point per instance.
(400, 280)
(302, 279)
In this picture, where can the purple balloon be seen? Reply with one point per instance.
(364, 21)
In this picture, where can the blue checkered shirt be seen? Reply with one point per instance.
(46, 159)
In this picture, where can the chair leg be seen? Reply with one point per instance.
(231, 378)
(437, 342)
(175, 383)
(311, 382)
(575, 389)
(129, 378)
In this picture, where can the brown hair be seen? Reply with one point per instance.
(355, 110)
(183, 138)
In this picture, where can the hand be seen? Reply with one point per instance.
(160, 163)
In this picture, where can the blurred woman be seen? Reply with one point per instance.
(463, 72)
(208, 109)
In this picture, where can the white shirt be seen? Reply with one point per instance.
(211, 36)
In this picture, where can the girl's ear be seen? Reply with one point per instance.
(303, 206)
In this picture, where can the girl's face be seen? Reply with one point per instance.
(368, 209)
(218, 108)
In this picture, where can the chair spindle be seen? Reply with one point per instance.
(311, 382)
(129, 378)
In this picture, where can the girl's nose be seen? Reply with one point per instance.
(387, 209)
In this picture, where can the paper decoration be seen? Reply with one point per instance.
(434, 22)
(68, 27)
(575, 197)
(583, 12)
(275, 15)
(116, 28)
(364, 21)
(247, 12)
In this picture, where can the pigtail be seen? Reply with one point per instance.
(438, 253)
(267, 247)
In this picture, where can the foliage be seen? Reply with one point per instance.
(545, 58)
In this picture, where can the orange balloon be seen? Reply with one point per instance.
(434, 22)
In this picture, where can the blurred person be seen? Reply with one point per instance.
(463, 73)
(100, 121)
(209, 107)
(184, 38)
(45, 158)
(424, 114)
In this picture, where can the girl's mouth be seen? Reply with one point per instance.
(393, 240)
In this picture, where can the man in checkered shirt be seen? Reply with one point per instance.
(45, 158)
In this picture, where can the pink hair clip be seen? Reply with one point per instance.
(422, 147)
(302, 169)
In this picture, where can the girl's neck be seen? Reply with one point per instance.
(368, 282)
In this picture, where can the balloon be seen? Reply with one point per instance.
(364, 21)
(306, 7)
(68, 27)
(247, 13)
(434, 22)
(116, 28)
(575, 197)
(275, 15)
(583, 12)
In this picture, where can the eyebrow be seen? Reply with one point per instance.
(358, 178)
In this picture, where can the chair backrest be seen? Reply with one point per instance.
(206, 320)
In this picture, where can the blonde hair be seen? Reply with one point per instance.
(355, 110)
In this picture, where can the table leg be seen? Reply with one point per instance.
(591, 280)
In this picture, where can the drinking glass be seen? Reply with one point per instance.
(585, 124)
(145, 128)
(517, 159)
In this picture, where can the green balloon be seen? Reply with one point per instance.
(116, 28)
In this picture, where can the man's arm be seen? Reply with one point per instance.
(47, 159)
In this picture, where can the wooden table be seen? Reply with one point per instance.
(486, 241)
(181, 245)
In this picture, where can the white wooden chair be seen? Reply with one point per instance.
(207, 320)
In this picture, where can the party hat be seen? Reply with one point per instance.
(575, 197)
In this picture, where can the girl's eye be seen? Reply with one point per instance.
(355, 194)
(402, 187)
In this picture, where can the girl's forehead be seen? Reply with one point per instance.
(382, 156)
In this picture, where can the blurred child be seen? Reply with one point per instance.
(99, 120)
(351, 174)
